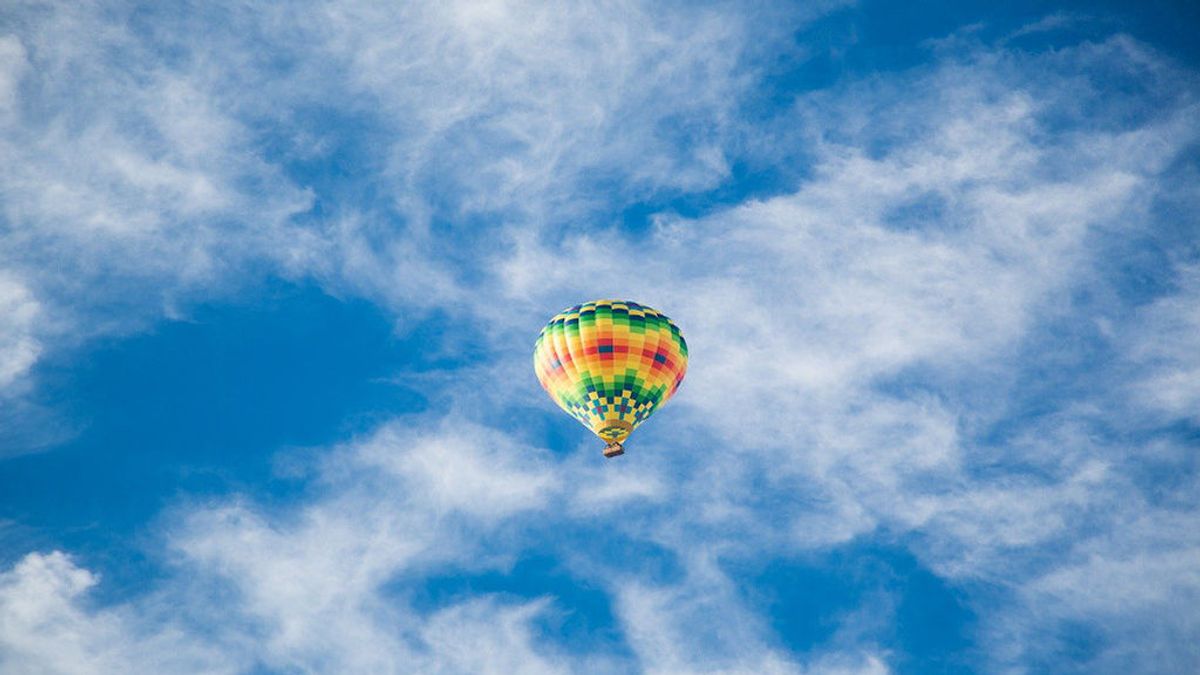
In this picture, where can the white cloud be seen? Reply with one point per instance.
(128, 187)
(19, 348)
(480, 636)
(466, 468)
(692, 629)
(852, 342)
(700, 625)
(1135, 587)
(48, 626)
(326, 586)
(158, 158)
(400, 502)
(1163, 344)
(12, 66)
(854, 337)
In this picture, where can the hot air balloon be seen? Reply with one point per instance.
(610, 364)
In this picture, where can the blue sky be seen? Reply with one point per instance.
(270, 279)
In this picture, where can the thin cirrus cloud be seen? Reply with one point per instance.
(929, 343)
(140, 147)
(907, 344)
(153, 165)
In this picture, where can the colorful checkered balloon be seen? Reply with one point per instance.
(610, 364)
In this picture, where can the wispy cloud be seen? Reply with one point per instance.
(866, 342)
(47, 625)
(1162, 344)
(861, 342)
(159, 157)
(19, 348)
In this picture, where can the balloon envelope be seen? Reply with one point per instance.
(610, 364)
